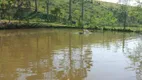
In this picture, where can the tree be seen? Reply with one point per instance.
(82, 13)
(124, 12)
(70, 10)
(3, 8)
(9, 6)
(36, 6)
(47, 8)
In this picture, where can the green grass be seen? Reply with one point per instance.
(127, 29)
(16, 25)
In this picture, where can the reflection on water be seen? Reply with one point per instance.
(135, 55)
(47, 54)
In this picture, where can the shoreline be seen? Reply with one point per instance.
(8, 26)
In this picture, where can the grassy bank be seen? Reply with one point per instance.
(24, 25)
(121, 29)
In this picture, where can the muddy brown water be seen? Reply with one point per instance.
(62, 54)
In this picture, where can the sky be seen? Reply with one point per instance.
(132, 2)
(114, 1)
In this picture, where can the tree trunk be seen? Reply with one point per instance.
(19, 9)
(36, 9)
(82, 13)
(9, 19)
(125, 20)
(47, 4)
(70, 10)
(29, 4)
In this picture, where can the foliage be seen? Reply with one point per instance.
(95, 14)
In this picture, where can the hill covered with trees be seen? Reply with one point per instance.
(78, 13)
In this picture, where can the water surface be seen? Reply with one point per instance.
(61, 54)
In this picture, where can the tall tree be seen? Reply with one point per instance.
(9, 6)
(19, 9)
(36, 6)
(124, 12)
(82, 13)
(70, 10)
(47, 9)
(47, 4)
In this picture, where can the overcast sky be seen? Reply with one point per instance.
(114, 1)
(132, 2)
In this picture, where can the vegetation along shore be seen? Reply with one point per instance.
(77, 14)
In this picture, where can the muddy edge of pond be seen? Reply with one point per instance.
(5, 26)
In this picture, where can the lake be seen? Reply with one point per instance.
(64, 54)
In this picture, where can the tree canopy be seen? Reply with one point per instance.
(90, 13)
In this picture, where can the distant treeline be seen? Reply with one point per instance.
(79, 13)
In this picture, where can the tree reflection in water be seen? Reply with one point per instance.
(37, 57)
(51, 54)
(73, 63)
(135, 56)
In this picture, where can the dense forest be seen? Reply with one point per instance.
(78, 13)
